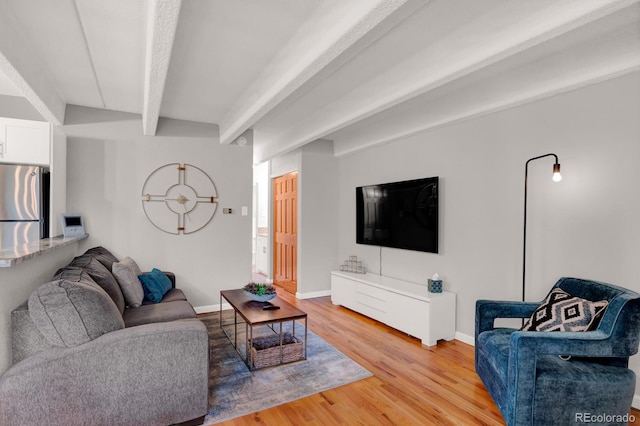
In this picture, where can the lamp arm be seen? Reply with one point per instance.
(524, 237)
(538, 157)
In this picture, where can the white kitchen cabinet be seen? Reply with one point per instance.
(405, 306)
(25, 142)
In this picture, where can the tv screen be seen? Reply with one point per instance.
(399, 214)
(72, 221)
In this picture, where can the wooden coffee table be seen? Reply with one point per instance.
(252, 314)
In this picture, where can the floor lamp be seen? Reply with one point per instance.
(557, 177)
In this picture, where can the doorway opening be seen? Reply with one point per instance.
(285, 232)
(261, 259)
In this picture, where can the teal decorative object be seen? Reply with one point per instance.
(434, 286)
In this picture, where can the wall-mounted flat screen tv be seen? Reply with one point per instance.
(402, 215)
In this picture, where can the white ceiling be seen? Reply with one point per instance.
(360, 73)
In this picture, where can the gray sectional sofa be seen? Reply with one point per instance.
(81, 356)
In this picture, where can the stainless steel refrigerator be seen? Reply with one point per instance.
(24, 204)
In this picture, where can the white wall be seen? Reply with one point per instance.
(586, 226)
(58, 180)
(108, 162)
(318, 218)
(317, 213)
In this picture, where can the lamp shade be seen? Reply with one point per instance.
(557, 177)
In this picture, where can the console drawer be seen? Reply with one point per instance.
(371, 301)
(372, 291)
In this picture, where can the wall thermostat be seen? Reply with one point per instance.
(72, 225)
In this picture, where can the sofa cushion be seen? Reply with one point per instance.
(75, 274)
(155, 285)
(126, 272)
(102, 276)
(26, 339)
(72, 313)
(561, 311)
(103, 256)
(158, 312)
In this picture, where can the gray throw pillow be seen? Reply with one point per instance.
(126, 272)
(72, 313)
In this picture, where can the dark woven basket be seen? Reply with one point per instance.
(266, 350)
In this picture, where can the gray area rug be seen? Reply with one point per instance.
(235, 391)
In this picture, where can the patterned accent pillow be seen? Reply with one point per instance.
(126, 272)
(561, 311)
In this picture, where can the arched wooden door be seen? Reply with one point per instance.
(285, 232)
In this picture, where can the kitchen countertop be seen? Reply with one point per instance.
(12, 256)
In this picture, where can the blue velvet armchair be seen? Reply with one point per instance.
(561, 377)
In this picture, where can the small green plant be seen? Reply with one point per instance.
(259, 289)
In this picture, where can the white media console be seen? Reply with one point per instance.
(402, 305)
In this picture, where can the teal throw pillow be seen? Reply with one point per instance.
(155, 285)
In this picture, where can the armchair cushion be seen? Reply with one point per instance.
(562, 387)
(561, 311)
(496, 345)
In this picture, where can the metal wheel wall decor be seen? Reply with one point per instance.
(179, 199)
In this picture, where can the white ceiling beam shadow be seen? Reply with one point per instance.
(161, 31)
(559, 20)
(336, 33)
(22, 68)
(382, 130)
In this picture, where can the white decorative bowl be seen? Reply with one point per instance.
(258, 298)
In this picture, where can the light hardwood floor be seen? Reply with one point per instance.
(411, 384)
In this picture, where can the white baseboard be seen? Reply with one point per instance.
(313, 295)
(465, 338)
(210, 308)
(635, 403)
